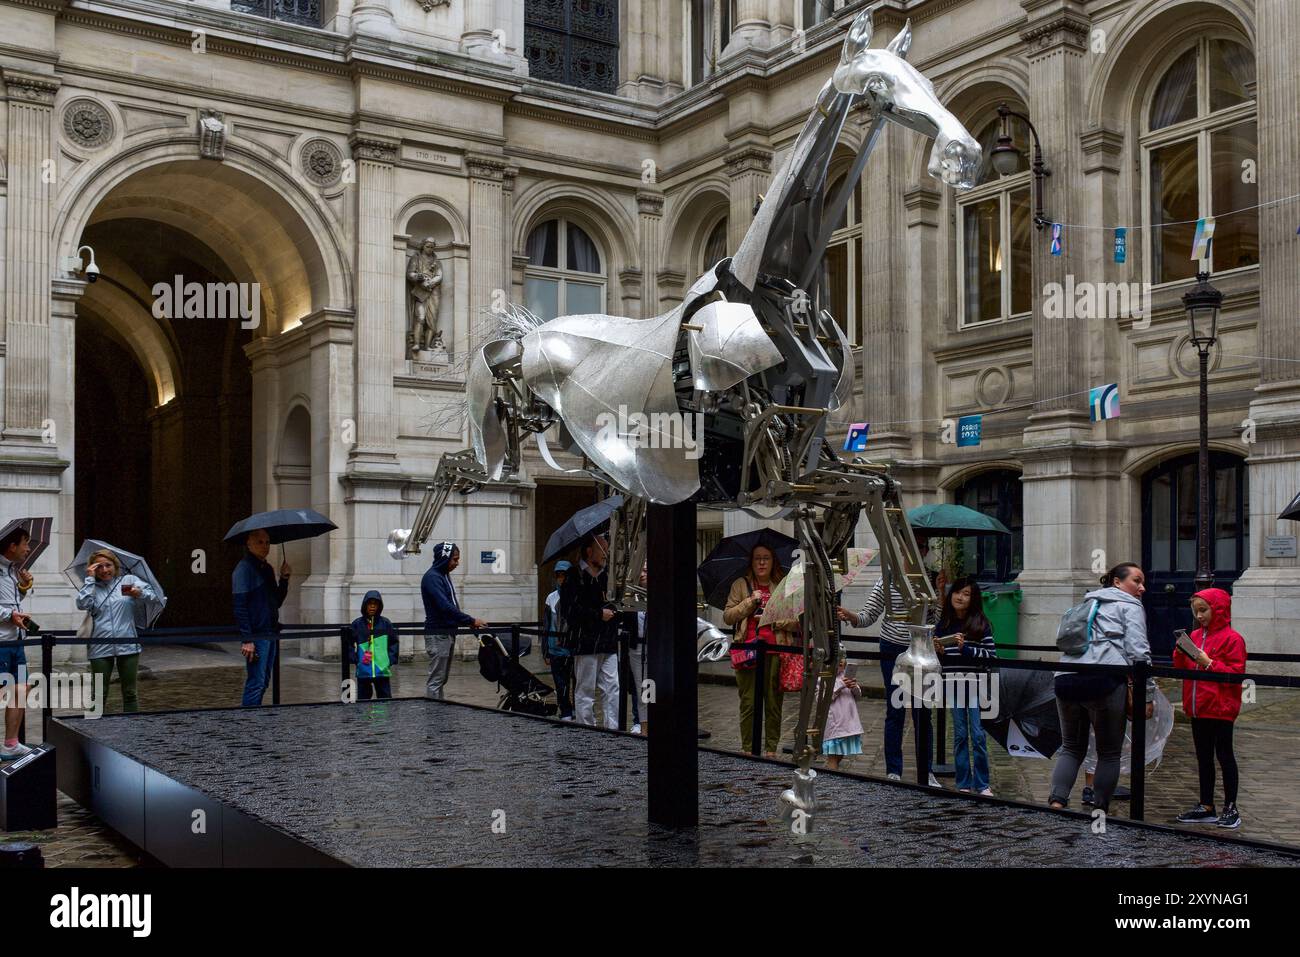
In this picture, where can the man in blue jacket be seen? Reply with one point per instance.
(258, 598)
(442, 616)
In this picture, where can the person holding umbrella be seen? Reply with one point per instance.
(257, 600)
(749, 594)
(110, 599)
(593, 634)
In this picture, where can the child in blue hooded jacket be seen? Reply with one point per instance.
(374, 649)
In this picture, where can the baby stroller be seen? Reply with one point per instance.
(521, 690)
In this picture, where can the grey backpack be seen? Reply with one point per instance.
(1075, 630)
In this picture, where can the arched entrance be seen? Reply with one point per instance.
(164, 458)
(1170, 517)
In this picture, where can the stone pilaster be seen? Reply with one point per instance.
(508, 177)
(480, 19)
(1266, 599)
(650, 210)
(377, 337)
(375, 18)
(25, 323)
(488, 269)
(748, 168)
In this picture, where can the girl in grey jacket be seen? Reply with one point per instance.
(1100, 700)
(110, 598)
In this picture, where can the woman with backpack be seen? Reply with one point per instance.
(1108, 628)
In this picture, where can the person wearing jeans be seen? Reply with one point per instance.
(257, 600)
(593, 635)
(969, 638)
(554, 654)
(442, 617)
(1117, 636)
(14, 550)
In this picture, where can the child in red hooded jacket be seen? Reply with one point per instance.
(1212, 705)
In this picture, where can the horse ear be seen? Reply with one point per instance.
(859, 36)
(902, 41)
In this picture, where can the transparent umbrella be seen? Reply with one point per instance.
(146, 610)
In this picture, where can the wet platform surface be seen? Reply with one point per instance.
(421, 783)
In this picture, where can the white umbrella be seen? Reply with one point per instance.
(146, 610)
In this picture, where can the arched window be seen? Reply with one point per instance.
(565, 274)
(1170, 518)
(999, 493)
(841, 268)
(1199, 151)
(993, 239)
(715, 247)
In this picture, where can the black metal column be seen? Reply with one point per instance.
(673, 773)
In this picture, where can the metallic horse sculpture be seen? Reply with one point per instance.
(751, 354)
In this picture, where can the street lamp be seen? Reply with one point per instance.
(1202, 303)
(1006, 157)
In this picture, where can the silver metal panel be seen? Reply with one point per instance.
(731, 347)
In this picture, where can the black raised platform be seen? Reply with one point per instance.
(415, 782)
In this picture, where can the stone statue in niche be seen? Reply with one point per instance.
(423, 301)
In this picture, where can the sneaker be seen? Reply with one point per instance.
(987, 792)
(1087, 795)
(934, 782)
(1229, 818)
(636, 729)
(964, 790)
(1202, 815)
(894, 777)
(12, 754)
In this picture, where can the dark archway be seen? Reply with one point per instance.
(166, 480)
(999, 493)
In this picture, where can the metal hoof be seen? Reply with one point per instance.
(798, 804)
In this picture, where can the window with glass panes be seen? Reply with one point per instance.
(842, 265)
(565, 274)
(994, 225)
(999, 493)
(1199, 150)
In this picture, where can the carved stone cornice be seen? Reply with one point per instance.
(1067, 30)
(373, 148)
(1101, 150)
(483, 166)
(749, 159)
(508, 177)
(922, 206)
(649, 204)
(31, 87)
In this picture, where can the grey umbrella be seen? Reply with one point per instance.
(283, 525)
(580, 524)
(146, 610)
(1292, 511)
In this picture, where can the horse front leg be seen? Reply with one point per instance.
(821, 654)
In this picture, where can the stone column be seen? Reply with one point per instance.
(650, 210)
(488, 270)
(480, 19)
(25, 324)
(376, 336)
(375, 18)
(1266, 599)
(752, 29)
(748, 168)
(1071, 477)
(508, 177)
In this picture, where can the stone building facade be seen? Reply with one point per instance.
(569, 152)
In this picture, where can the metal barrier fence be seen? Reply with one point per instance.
(1139, 672)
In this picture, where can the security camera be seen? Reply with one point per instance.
(75, 264)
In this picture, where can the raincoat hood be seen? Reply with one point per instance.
(442, 555)
(372, 595)
(1220, 603)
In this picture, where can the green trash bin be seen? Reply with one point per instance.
(1002, 608)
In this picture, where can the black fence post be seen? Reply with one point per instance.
(760, 688)
(1138, 749)
(275, 671)
(345, 672)
(47, 667)
(514, 640)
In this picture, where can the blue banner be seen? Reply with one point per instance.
(968, 430)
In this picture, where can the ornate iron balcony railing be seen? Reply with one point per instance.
(305, 12)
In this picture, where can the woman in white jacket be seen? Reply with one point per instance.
(110, 598)
(1098, 699)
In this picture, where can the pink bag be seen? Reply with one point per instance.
(791, 672)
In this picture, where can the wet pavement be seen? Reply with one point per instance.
(187, 678)
(420, 783)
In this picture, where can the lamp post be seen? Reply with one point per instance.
(1005, 157)
(1202, 303)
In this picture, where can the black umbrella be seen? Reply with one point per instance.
(1292, 511)
(283, 525)
(582, 523)
(730, 559)
(1029, 699)
(39, 531)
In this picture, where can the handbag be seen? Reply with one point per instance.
(791, 672)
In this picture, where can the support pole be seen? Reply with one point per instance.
(673, 772)
(1138, 750)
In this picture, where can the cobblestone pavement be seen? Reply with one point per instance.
(1267, 738)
